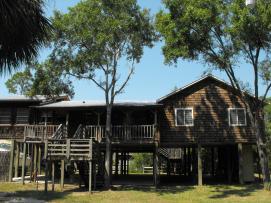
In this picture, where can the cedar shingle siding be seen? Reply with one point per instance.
(210, 100)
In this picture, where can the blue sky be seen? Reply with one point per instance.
(152, 79)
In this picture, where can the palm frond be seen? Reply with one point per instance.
(23, 30)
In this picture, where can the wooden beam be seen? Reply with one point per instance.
(11, 161)
(199, 165)
(23, 162)
(62, 174)
(241, 167)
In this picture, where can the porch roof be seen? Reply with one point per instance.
(93, 104)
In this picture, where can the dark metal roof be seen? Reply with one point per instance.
(86, 104)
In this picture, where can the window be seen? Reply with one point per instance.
(5, 116)
(184, 117)
(46, 117)
(237, 117)
(22, 116)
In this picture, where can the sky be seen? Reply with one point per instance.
(152, 79)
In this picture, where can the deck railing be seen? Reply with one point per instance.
(11, 131)
(41, 132)
(120, 132)
(75, 149)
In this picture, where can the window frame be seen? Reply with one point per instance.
(184, 108)
(229, 118)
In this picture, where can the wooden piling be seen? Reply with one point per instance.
(90, 176)
(229, 167)
(35, 161)
(185, 161)
(11, 161)
(117, 163)
(23, 162)
(240, 157)
(46, 177)
(213, 161)
(199, 165)
(17, 159)
(62, 174)
(39, 160)
(53, 176)
(155, 165)
(46, 165)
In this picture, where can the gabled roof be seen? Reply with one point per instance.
(207, 77)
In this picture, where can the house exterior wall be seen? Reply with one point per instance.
(210, 101)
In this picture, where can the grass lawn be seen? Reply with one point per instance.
(211, 193)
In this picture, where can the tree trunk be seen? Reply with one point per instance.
(261, 144)
(108, 172)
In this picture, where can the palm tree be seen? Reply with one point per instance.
(23, 30)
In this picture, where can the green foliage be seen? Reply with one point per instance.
(139, 160)
(217, 32)
(95, 34)
(40, 79)
(20, 83)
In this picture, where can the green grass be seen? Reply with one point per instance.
(184, 194)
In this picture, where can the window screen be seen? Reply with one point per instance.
(5, 116)
(237, 117)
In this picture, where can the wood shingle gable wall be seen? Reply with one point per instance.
(210, 99)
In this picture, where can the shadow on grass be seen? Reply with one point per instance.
(224, 191)
(215, 191)
(42, 195)
(162, 190)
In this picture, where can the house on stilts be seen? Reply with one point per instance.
(197, 134)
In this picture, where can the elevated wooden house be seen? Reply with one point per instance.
(199, 132)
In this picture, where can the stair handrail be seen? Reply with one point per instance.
(58, 133)
(77, 133)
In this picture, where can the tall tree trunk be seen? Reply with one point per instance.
(108, 157)
(261, 144)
